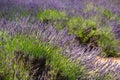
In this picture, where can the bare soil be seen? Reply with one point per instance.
(113, 59)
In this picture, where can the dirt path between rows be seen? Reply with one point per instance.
(106, 59)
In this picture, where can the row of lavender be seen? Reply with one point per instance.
(70, 46)
(85, 8)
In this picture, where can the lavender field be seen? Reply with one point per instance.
(59, 40)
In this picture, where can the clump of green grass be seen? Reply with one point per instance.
(9, 68)
(50, 15)
(54, 17)
(107, 14)
(107, 42)
(85, 29)
(88, 31)
(58, 63)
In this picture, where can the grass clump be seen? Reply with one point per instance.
(107, 42)
(84, 29)
(54, 17)
(89, 32)
(50, 15)
(107, 14)
(56, 66)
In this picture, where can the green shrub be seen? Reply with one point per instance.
(74, 26)
(89, 32)
(37, 49)
(107, 42)
(50, 15)
(54, 17)
(84, 29)
(9, 68)
(107, 14)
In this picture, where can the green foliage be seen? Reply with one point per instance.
(107, 14)
(89, 32)
(74, 26)
(50, 15)
(107, 42)
(37, 49)
(9, 68)
(84, 29)
(105, 36)
(54, 17)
